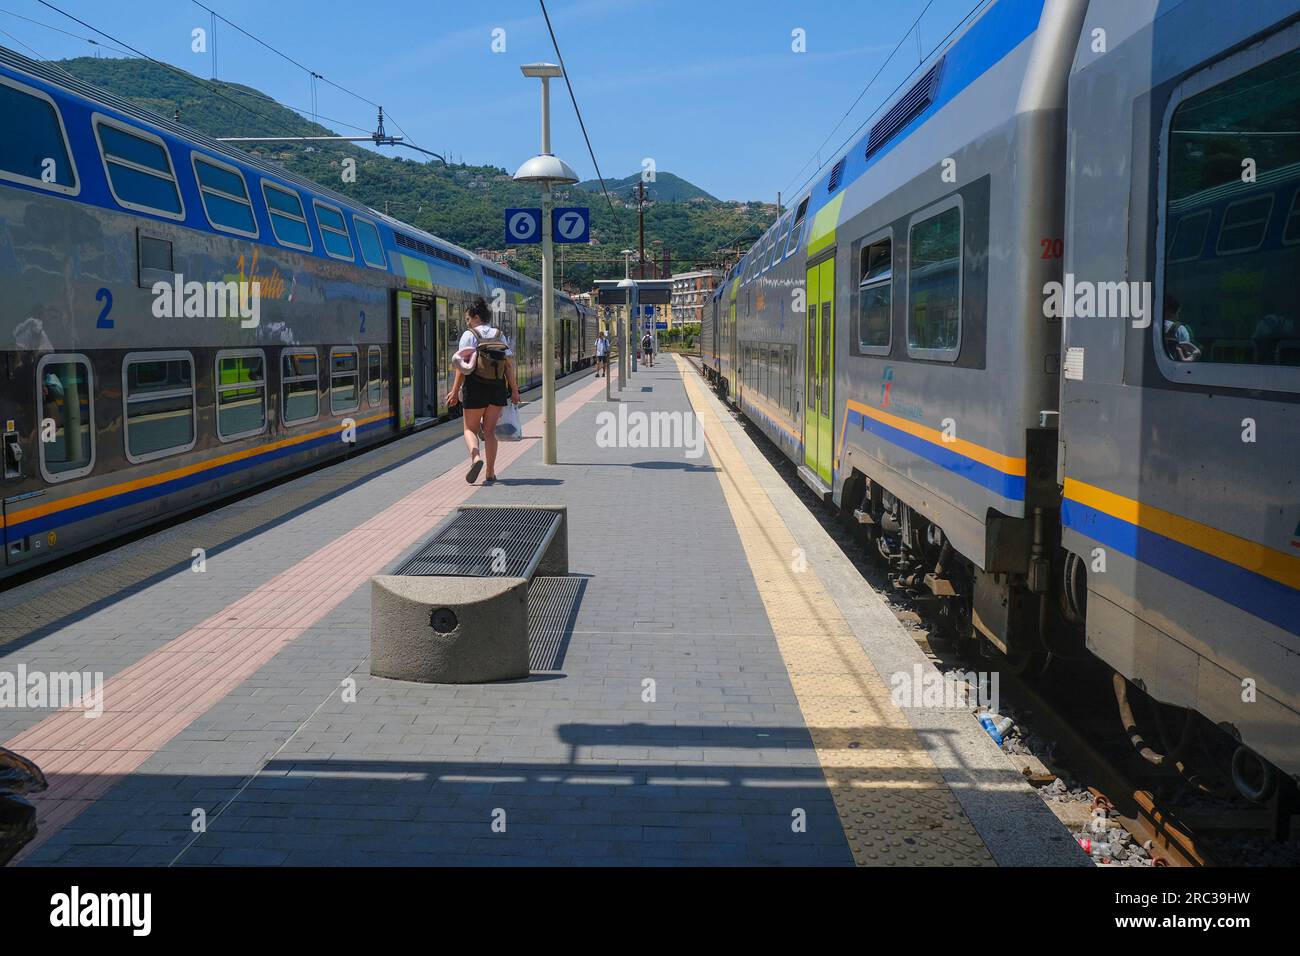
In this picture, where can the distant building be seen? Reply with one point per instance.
(691, 293)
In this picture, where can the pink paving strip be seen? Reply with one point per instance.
(157, 697)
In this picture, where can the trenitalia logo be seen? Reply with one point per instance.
(886, 383)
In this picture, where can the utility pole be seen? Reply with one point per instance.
(640, 215)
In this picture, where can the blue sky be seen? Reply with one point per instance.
(709, 89)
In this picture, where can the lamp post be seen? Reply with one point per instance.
(625, 341)
(547, 170)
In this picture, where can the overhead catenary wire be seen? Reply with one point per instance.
(206, 84)
(66, 33)
(581, 125)
(979, 4)
(313, 74)
(863, 92)
(228, 87)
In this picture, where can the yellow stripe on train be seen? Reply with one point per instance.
(1269, 562)
(99, 494)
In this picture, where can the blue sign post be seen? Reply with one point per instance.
(571, 224)
(523, 226)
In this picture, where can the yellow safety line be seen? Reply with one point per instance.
(893, 804)
(1263, 560)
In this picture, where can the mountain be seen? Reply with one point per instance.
(462, 203)
(665, 187)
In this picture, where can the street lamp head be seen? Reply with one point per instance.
(541, 70)
(546, 168)
(627, 283)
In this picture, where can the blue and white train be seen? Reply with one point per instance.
(1038, 332)
(121, 407)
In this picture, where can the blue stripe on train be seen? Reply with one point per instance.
(1269, 600)
(1011, 487)
(59, 519)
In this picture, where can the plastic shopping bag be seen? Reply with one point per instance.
(509, 428)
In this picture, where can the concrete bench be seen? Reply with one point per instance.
(456, 611)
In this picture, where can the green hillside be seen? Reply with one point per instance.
(462, 203)
(665, 187)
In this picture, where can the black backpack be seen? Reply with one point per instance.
(490, 361)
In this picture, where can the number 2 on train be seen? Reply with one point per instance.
(104, 322)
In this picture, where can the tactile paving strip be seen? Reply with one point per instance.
(893, 804)
(145, 560)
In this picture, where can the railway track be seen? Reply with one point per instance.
(1088, 746)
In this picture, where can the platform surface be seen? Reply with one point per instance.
(720, 694)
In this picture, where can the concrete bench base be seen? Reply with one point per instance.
(445, 630)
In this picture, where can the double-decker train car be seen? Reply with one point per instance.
(1036, 333)
(182, 321)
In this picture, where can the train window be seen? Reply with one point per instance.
(34, 150)
(139, 169)
(797, 228)
(374, 376)
(158, 391)
(875, 296)
(288, 221)
(333, 231)
(934, 282)
(1189, 237)
(241, 394)
(299, 386)
(1238, 306)
(783, 237)
(345, 380)
(64, 390)
(225, 196)
(1244, 223)
(1291, 234)
(372, 250)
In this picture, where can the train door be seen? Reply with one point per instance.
(442, 348)
(819, 369)
(566, 341)
(404, 379)
(425, 367)
(733, 365)
(521, 347)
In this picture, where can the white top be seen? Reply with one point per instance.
(468, 341)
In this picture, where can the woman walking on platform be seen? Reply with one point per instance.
(485, 381)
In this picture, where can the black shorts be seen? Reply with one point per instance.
(476, 393)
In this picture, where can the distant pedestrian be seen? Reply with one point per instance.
(602, 354)
(485, 367)
(648, 349)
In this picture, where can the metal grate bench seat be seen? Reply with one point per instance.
(456, 610)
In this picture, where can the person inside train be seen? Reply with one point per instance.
(1278, 339)
(484, 382)
(1178, 336)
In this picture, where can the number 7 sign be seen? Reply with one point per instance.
(571, 224)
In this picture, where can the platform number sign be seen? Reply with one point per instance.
(571, 224)
(523, 226)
